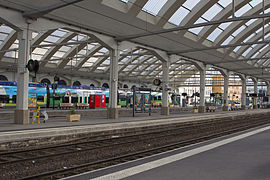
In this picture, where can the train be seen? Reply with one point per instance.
(44, 95)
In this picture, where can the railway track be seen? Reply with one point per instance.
(108, 151)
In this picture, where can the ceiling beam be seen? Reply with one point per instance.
(52, 45)
(240, 60)
(240, 69)
(34, 14)
(134, 36)
(219, 47)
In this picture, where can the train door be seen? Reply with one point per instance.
(103, 101)
(98, 101)
(48, 96)
(85, 97)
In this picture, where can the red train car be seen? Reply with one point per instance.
(97, 101)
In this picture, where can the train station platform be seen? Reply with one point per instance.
(58, 126)
(241, 156)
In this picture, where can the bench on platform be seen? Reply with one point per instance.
(210, 109)
(65, 105)
(156, 104)
(82, 105)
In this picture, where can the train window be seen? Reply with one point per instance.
(57, 98)
(85, 99)
(107, 99)
(4, 98)
(81, 100)
(14, 97)
(155, 98)
(74, 99)
(65, 99)
(122, 98)
(159, 98)
(40, 98)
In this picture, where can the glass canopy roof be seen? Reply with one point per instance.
(91, 56)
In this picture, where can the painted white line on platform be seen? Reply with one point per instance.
(154, 164)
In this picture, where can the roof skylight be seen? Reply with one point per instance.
(154, 6)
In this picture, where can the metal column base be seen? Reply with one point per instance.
(225, 108)
(243, 107)
(165, 111)
(21, 116)
(112, 113)
(201, 109)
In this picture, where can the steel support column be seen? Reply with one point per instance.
(22, 112)
(112, 109)
(243, 95)
(165, 85)
(202, 90)
(226, 87)
(255, 98)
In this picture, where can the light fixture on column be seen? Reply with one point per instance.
(33, 66)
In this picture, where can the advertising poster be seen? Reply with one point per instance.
(32, 100)
(138, 102)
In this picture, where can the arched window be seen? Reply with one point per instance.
(3, 78)
(62, 82)
(92, 85)
(133, 87)
(76, 83)
(45, 81)
(125, 86)
(105, 85)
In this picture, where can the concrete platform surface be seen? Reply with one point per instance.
(57, 127)
(241, 156)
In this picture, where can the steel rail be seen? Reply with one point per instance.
(140, 154)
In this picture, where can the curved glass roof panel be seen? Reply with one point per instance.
(265, 46)
(3, 37)
(154, 6)
(5, 29)
(125, 1)
(224, 25)
(4, 32)
(235, 33)
(249, 37)
(228, 40)
(212, 12)
(224, 3)
(251, 21)
(242, 10)
(197, 30)
(247, 51)
(237, 48)
(178, 16)
(214, 34)
(189, 4)
(254, 3)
